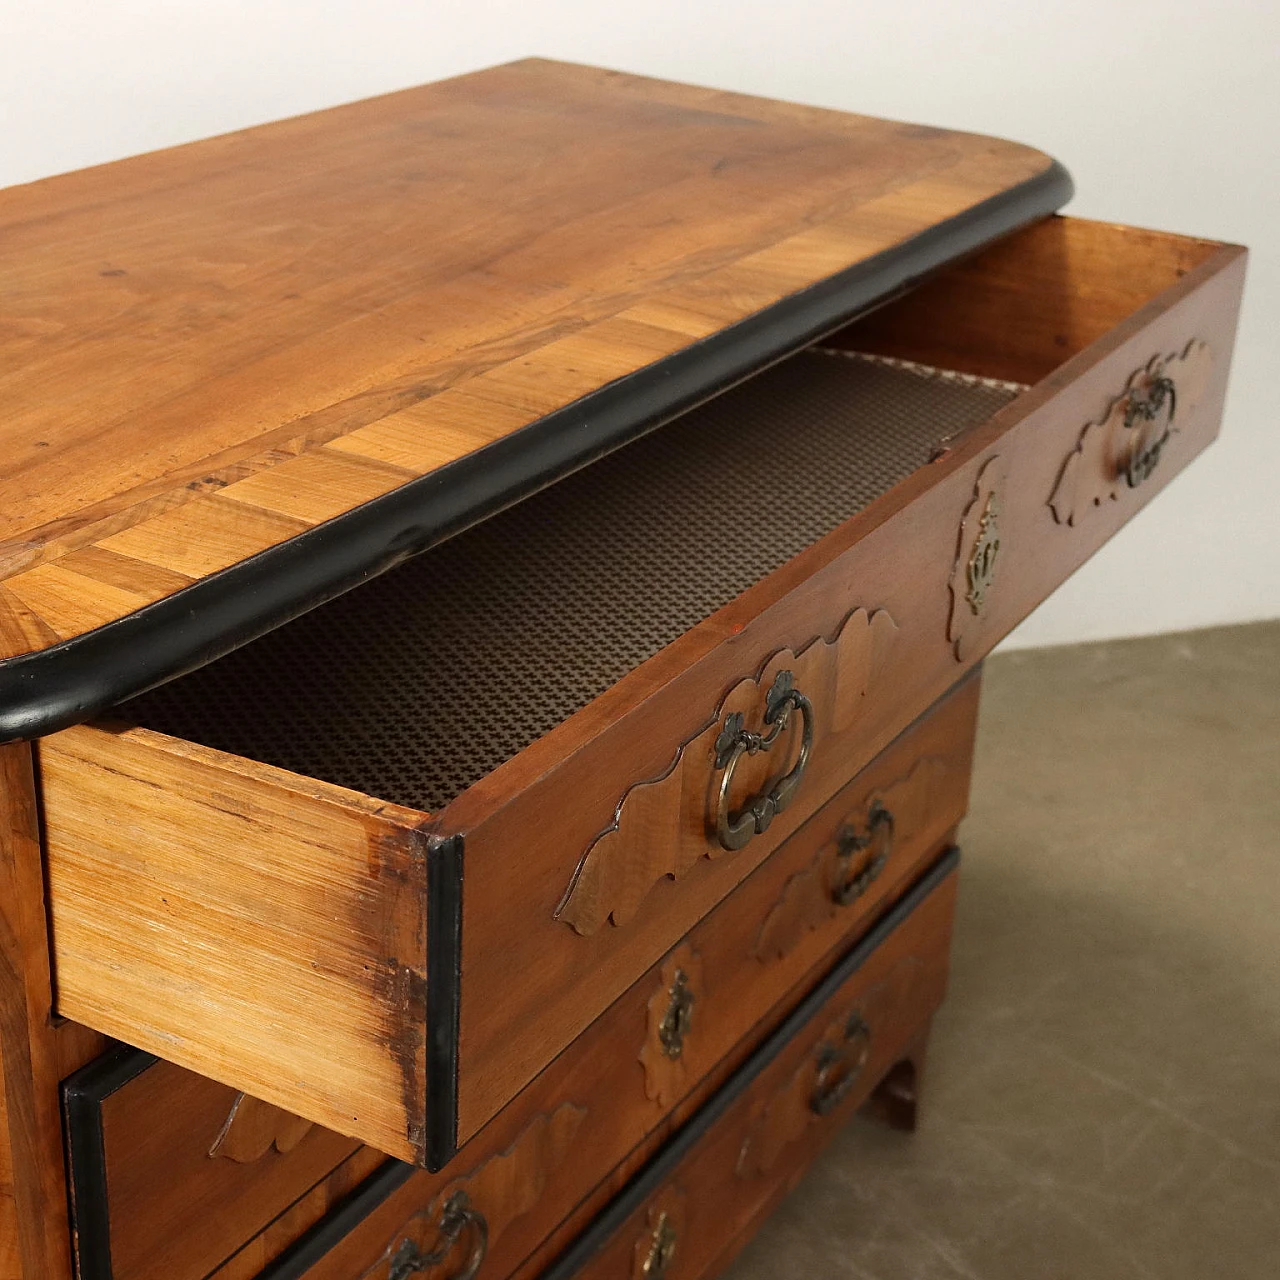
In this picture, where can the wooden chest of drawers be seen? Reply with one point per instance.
(499, 647)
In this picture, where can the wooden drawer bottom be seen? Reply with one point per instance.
(700, 1194)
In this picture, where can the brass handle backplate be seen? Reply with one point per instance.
(457, 1216)
(1144, 411)
(850, 843)
(840, 1065)
(735, 741)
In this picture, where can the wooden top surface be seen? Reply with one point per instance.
(208, 351)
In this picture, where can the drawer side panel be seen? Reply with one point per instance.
(263, 930)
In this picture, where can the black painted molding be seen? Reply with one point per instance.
(83, 1094)
(444, 998)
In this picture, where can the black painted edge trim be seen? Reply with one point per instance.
(75, 679)
(444, 998)
(664, 1163)
(343, 1218)
(309, 1248)
(83, 1094)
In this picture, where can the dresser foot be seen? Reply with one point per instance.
(896, 1097)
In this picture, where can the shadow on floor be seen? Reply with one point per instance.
(1103, 1093)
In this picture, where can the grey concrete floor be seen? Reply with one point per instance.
(1102, 1099)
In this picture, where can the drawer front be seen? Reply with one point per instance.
(171, 1173)
(810, 1073)
(614, 813)
(587, 856)
(663, 1046)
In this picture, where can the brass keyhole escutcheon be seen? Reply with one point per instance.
(678, 1018)
(662, 1249)
(980, 573)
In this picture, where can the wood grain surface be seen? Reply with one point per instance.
(206, 822)
(604, 1077)
(755, 1152)
(10, 1263)
(597, 1090)
(256, 1252)
(263, 929)
(180, 1148)
(664, 826)
(33, 1193)
(202, 354)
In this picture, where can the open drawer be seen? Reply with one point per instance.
(383, 865)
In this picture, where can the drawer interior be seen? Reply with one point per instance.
(420, 682)
(415, 685)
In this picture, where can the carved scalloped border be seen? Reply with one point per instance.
(805, 903)
(612, 878)
(1090, 473)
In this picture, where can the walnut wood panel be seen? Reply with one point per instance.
(664, 826)
(33, 1194)
(869, 838)
(10, 1263)
(180, 1148)
(519, 265)
(266, 931)
(253, 1255)
(1116, 450)
(757, 1149)
(898, 556)
(507, 1188)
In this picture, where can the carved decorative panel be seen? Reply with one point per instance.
(666, 825)
(672, 1014)
(976, 569)
(253, 1128)
(473, 1211)
(887, 817)
(1123, 447)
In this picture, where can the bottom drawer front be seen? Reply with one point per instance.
(685, 1214)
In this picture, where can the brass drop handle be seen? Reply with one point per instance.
(1144, 407)
(734, 742)
(850, 843)
(457, 1216)
(839, 1066)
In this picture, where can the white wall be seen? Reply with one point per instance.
(1168, 114)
